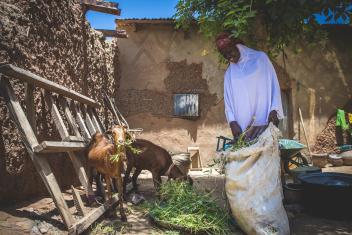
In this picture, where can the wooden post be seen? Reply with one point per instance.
(304, 130)
(30, 109)
(41, 164)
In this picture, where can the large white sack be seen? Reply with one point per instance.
(253, 186)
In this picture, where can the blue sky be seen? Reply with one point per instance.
(146, 9)
(133, 9)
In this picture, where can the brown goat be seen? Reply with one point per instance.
(100, 151)
(152, 158)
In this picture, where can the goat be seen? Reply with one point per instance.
(153, 158)
(100, 151)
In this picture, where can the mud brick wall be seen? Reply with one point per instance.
(51, 39)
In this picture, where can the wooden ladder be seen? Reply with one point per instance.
(83, 121)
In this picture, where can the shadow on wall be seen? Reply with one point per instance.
(182, 78)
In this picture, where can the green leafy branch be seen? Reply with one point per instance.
(285, 22)
(120, 148)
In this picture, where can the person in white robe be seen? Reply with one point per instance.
(252, 94)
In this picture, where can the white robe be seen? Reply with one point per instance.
(251, 89)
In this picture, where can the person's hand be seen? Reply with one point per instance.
(235, 129)
(273, 118)
(254, 131)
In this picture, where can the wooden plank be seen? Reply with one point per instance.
(41, 164)
(88, 120)
(30, 108)
(94, 120)
(26, 76)
(19, 116)
(92, 216)
(77, 164)
(55, 114)
(98, 120)
(80, 121)
(58, 147)
(81, 210)
(113, 33)
(81, 173)
(103, 9)
(74, 139)
(101, 3)
(70, 119)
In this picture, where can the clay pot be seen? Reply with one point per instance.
(335, 160)
(347, 158)
(320, 160)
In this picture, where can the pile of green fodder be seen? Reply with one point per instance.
(180, 206)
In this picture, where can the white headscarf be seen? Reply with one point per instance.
(251, 89)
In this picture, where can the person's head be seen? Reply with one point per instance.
(227, 47)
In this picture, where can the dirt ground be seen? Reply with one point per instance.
(39, 216)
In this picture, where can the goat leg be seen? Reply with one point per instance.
(134, 179)
(156, 180)
(119, 186)
(125, 180)
(108, 185)
(100, 187)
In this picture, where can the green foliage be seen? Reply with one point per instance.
(181, 205)
(121, 148)
(285, 21)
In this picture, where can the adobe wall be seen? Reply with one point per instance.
(51, 39)
(317, 81)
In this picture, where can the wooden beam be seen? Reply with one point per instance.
(26, 76)
(81, 210)
(84, 130)
(55, 114)
(77, 164)
(88, 120)
(104, 7)
(100, 2)
(92, 216)
(28, 136)
(113, 33)
(70, 119)
(30, 108)
(58, 147)
(41, 164)
(94, 120)
(72, 138)
(95, 113)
